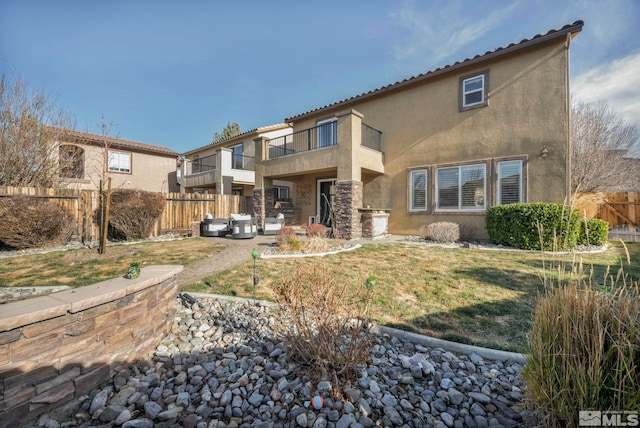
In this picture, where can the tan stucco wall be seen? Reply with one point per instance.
(149, 172)
(422, 126)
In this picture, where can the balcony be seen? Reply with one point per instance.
(319, 137)
(209, 171)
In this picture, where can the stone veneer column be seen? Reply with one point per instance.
(258, 205)
(348, 199)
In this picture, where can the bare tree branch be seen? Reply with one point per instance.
(601, 142)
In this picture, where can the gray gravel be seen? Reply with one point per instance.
(221, 366)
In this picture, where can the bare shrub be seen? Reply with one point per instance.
(133, 213)
(423, 231)
(324, 323)
(316, 244)
(283, 235)
(317, 229)
(29, 222)
(443, 231)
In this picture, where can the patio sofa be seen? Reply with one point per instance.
(273, 224)
(214, 226)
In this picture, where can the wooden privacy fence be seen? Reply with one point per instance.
(617, 209)
(180, 210)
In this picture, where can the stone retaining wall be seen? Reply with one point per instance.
(56, 348)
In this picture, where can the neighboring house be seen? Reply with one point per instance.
(86, 159)
(441, 146)
(228, 167)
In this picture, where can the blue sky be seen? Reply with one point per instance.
(172, 73)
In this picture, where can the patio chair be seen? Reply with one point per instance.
(273, 224)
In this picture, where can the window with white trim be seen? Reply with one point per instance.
(473, 90)
(509, 182)
(461, 188)
(280, 193)
(418, 190)
(119, 161)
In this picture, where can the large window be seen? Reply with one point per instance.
(461, 187)
(509, 182)
(418, 190)
(236, 156)
(328, 132)
(119, 161)
(473, 90)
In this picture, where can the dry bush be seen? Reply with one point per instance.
(283, 235)
(133, 213)
(423, 231)
(324, 323)
(316, 244)
(29, 222)
(588, 204)
(317, 229)
(443, 231)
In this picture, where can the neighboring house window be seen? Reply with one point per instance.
(418, 190)
(71, 161)
(328, 132)
(236, 156)
(119, 161)
(280, 193)
(510, 182)
(473, 90)
(461, 187)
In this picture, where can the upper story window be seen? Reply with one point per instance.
(474, 90)
(461, 188)
(236, 156)
(71, 161)
(418, 190)
(328, 132)
(119, 161)
(510, 182)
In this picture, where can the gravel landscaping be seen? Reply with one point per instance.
(221, 366)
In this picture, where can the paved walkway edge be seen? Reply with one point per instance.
(431, 342)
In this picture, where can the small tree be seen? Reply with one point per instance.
(231, 130)
(601, 142)
(30, 124)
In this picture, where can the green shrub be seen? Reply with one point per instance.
(584, 352)
(133, 213)
(443, 232)
(30, 222)
(593, 231)
(534, 226)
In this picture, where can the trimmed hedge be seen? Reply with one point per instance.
(593, 231)
(517, 226)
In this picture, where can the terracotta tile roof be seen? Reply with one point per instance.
(72, 135)
(576, 27)
(239, 136)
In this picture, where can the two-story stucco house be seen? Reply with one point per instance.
(442, 146)
(86, 159)
(227, 167)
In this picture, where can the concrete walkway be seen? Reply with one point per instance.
(238, 251)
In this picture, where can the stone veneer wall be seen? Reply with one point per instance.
(57, 347)
(348, 199)
(258, 206)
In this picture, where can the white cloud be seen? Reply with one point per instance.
(617, 83)
(439, 33)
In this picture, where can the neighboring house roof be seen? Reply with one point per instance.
(70, 135)
(572, 29)
(240, 136)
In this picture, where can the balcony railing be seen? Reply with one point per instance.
(205, 163)
(318, 137)
(371, 138)
(247, 163)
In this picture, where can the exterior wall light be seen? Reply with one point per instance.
(544, 152)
